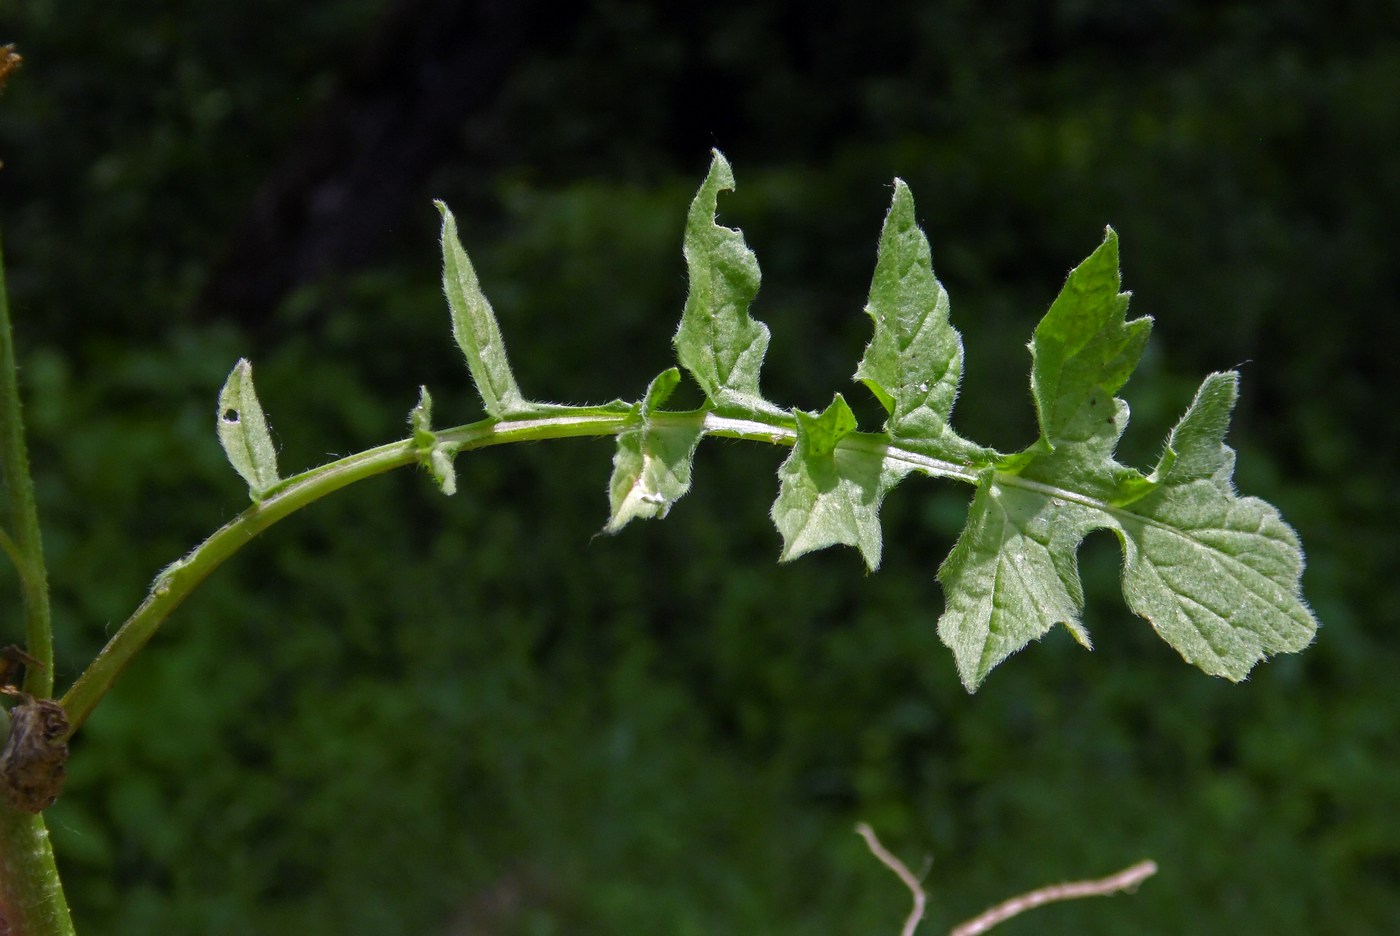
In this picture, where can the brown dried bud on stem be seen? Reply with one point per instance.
(32, 761)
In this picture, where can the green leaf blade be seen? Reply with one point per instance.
(718, 342)
(1220, 586)
(830, 493)
(913, 363)
(474, 326)
(652, 464)
(243, 432)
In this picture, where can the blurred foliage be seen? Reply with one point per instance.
(409, 714)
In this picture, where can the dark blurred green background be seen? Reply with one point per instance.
(404, 714)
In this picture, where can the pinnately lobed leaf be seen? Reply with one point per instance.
(243, 431)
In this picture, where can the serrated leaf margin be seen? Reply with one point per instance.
(717, 341)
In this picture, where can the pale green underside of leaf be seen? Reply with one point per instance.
(651, 468)
(475, 328)
(1217, 575)
(830, 494)
(243, 431)
(434, 455)
(1012, 576)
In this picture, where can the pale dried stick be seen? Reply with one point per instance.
(904, 874)
(1125, 880)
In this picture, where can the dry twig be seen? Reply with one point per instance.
(1126, 880)
(904, 874)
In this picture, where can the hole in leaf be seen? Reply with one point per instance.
(229, 415)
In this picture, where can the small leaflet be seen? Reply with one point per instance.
(718, 342)
(912, 365)
(830, 493)
(243, 432)
(651, 468)
(434, 455)
(914, 360)
(1084, 350)
(474, 326)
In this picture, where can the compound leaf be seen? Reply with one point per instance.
(1217, 575)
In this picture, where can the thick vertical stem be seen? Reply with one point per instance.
(31, 897)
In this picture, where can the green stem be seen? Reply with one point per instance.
(176, 582)
(31, 897)
(23, 544)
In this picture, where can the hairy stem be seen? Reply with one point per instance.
(175, 583)
(20, 532)
(31, 897)
(178, 580)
